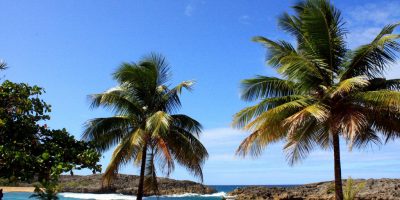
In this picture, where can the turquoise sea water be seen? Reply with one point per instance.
(222, 190)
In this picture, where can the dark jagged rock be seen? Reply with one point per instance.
(375, 189)
(127, 184)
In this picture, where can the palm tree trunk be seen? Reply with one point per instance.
(338, 169)
(139, 195)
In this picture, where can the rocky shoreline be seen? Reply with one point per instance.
(374, 189)
(127, 184)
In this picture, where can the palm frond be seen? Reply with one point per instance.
(107, 132)
(302, 140)
(383, 100)
(383, 84)
(364, 138)
(172, 101)
(187, 123)
(322, 24)
(385, 122)
(187, 150)
(352, 124)
(126, 150)
(348, 85)
(164, 157)
(269, 126)
(278, 114)
(373, 59)
(276, 50)
(258, 140)
(264, 87)
(158, 123)
(317, 111)
(3, 65)
(158, 65)
(118, 100)
(305, 68)
(246, 115)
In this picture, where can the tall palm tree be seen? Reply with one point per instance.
(324, 90)
(145, 128)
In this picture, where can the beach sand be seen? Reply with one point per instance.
(17, 189)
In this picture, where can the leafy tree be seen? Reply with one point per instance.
(145, 128)
(29, 149)
(326, 90)
(20, 111)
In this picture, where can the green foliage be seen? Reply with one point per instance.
(45, 191)
(20, 111)
(29, 149)
(145, 128)
(351, 189)
(331, 188)
(324, 91)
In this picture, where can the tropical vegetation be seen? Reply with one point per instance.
(45, 191)
(145, 128)
(324, 90)
(28, 148)
(351, 189)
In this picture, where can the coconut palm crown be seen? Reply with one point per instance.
(145, 128)
(325, 91)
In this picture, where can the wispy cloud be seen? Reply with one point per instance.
(378, 13)
(224, 167)
(244, 19)
(192, 6)
(366, 21)
(189, 9)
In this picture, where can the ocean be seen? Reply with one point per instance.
(222, 191)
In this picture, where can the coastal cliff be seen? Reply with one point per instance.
(127, 184)
(374, 189)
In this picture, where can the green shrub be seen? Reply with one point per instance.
(351, 189)
(45, 191)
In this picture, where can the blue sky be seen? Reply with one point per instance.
(71, 47)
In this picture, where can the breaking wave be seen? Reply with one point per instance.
(131, 197)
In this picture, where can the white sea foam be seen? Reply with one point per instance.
(98, 196)
(218, 194)
(131, 197)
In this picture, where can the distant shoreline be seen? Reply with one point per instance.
(17, 189)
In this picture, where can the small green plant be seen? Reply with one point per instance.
(331, 188)
(46, 190)
(351, 189)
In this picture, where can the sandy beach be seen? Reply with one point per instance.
(17, 189)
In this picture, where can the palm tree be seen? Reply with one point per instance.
(324, 90)
(145, 128)
(3, 65)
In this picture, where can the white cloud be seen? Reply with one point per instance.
(192, 6)
(222, 143)
(221, 135)
(224, 167)
(244, 19)
(189, 9)
(366, 21)
(380, 12)
(362, 35)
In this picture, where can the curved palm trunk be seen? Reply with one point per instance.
(338, 169)
(139, 195)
